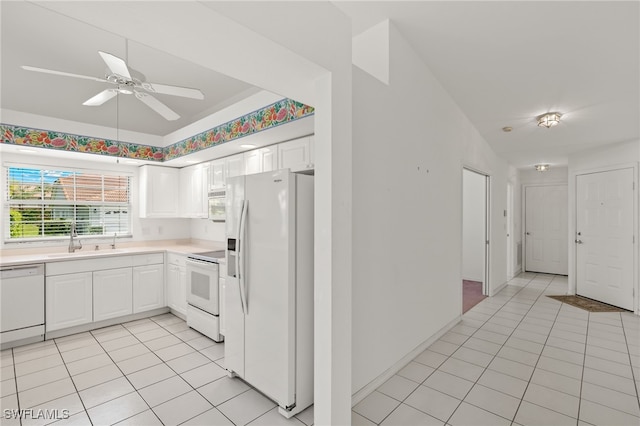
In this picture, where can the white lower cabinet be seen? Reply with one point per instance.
(69, 300)
(112, 293)
(80, 292)
(177, 283)
(148, 287)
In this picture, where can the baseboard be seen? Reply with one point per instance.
(105, 323)
(497, 290)
(378, 381)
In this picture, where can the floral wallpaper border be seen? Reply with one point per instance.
(281, 112)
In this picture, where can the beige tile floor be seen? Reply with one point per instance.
(150, 372)
(518, 358)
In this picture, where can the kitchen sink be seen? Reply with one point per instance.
(87, 253)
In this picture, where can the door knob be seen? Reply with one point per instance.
(528, 233)
(578, 241)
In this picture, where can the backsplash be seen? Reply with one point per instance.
(280, 112)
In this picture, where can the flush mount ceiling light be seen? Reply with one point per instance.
(549, 119)
(542, 167)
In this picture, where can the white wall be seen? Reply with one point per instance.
(621, 154)
(205, 229)
(143, 229)
(410, 142)
(555, 175)
(473, 225)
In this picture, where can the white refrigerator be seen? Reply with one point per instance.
(269, 286)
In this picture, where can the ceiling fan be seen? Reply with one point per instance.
(125, 84)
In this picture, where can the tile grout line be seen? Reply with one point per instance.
(72, 381)
(195, 389)
(450, 356)
(633, 374)
(539, 355)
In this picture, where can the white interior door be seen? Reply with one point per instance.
(546, 228)
(509, 214)
(604, 237)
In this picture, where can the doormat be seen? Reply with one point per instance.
(587, 304)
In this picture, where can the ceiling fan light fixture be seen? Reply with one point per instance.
(125, 90)
(549, 119)
(542, 167)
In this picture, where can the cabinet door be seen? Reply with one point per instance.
(252, 162)
(261, 160)
(158, 191)
(268, 158)
(234, 165)
(182, 290)
(69, 300)
(193, 191)
(296, 155)
(199, 191)
(175, 289)
(112, 294)
(217, 174)
(148, 287)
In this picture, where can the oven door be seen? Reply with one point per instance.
(202, 285)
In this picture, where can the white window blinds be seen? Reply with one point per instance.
(42, 203)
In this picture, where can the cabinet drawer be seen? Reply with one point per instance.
(176, 259)
(148, 259)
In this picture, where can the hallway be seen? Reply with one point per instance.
(519, 358)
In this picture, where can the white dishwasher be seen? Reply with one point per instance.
(21, 304)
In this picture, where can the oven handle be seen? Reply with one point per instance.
(200, 262)
(241, 280)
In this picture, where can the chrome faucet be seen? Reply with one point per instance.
(72, 245)
(113, 244)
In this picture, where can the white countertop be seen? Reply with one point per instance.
(40, 255)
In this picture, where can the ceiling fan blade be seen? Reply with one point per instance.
(66, 74)
(157, 106)
(164, 89)
(101, 97)
(115, 64)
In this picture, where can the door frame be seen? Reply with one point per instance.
(486, 288)
(523, 211)
(573, 264)
(509, 218)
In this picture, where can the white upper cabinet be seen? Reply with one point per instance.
(217, 174)
(261, 160)
(296, 155)
(234, 165)
(158, 192)
(193, 191)
(221, 169)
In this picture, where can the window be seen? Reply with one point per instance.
(42, 204)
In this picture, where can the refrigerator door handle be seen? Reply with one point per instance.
(240, 258)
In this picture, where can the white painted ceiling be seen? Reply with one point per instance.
(33, 35)
(505, 62)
